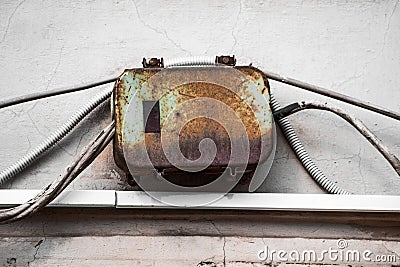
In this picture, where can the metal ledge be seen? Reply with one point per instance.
(236, 201)
(75, 198)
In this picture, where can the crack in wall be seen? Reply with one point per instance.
(47, 87)
(29, 144)
(56, 68)
(38, 130)
(223, 250)
(156, 30)
(389, 21)
(390, 250)
(51, 78)
(339, 84)
(360, 169)
(235, 26)
(9, 20)
(82, 134)
(38, 245)
(34, 124)
(216, 228)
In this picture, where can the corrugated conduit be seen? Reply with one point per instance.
(54, 138)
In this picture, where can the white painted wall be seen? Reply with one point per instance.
(349, 46)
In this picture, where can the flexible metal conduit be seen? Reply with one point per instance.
(285, 125)
(303, 156)
(190, 61)
(54, 138)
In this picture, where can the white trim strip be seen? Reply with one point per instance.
(269, 201)
(236, 201)
(75, 198)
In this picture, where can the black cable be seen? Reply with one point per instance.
(356, 123)
(270, 75)
(285, 111)
(333, 94)
(59, 91)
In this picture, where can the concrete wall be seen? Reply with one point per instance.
(351, 47)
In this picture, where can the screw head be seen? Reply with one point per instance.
(153, 61)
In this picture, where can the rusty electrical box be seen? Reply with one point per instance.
(163, 114)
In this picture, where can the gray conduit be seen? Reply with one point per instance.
(189, 61)
(303, 156)
(54, 138)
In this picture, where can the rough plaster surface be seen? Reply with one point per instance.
(351, 47)
(58, 237)
(160, 251)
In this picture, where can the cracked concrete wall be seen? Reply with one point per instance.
(57, 237)
(351, 47)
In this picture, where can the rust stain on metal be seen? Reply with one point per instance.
(242, 101)
(121, 94)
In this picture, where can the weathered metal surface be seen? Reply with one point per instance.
(246, 94)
